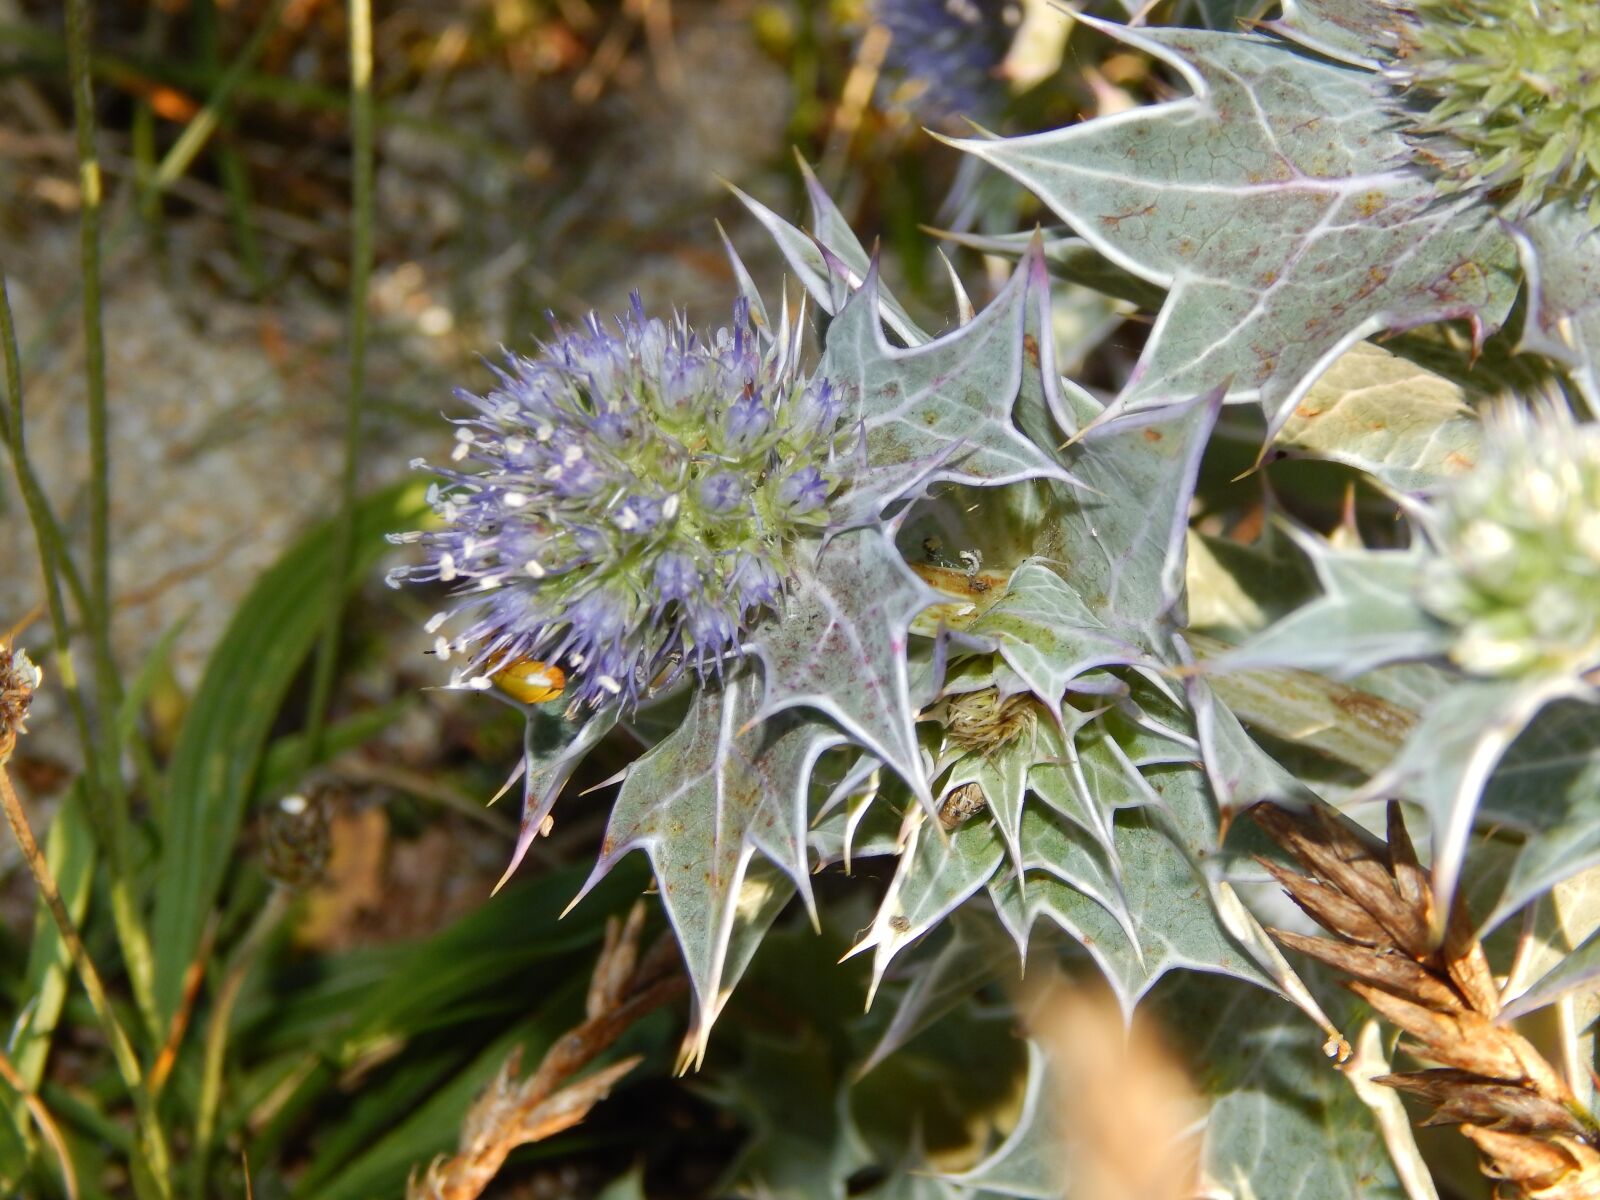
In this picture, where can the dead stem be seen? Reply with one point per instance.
(624, 988)
(1533, 1135)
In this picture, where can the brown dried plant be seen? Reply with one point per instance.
(509, 1114)
(1533, 1135)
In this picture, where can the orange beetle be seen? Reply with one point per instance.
(530, 681)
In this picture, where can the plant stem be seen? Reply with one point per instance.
(361, 129)
(153, 1147)
(116, 821)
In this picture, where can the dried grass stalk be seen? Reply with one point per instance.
(1534, 1136)
(509, 1114)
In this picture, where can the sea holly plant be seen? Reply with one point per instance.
(1038, 673)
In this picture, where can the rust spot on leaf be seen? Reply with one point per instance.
(1152, 435)
(1371, 203)
(1458, 461)
(1030, 348)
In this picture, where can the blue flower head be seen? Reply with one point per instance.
(943, 54)
(634, 493)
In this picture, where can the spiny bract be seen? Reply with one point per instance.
(1519, 568)
(638, 489)
(1515, 85)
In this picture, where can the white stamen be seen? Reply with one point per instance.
(610, 684)
(462, 449)
(670, 508)
(572, 455)
(441, 647)
(435, 622)
(533, 568)
(447, 567)
(418, 464)
(514, 499)
(481, 683)
(516, 445)
(553, 473)
(543, 432)
(575, 659)
(627, 520)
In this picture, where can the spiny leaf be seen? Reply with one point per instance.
(1275, 205)
(1168, 904)
(1375, 411)
(1124, 541)
(1367, 616)
(1450, 756)
(1562, 952)
(1547, 787)
(937, 871)
(840, 645)
(1561, 254)
(941, 411)
(701, 804)
(1283, 1122)
(1003, 776)
(1027, 1164)
(545, 774)
(976, 952)
(1048, 634)
(1356, 31)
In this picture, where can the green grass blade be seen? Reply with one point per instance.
(221, 741)
(69, 849)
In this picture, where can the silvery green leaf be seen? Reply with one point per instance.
(1124, 539)
(804, 1144)
(839, 645)
(1561, 254)
(546, 771)
(1355, 31)
(1367, 616)
(1057, 778)
(1027, 1164)
(1284, 1123)
(1048, 634)
(1346, 723)
(702, 804)
(975, 953)
(1071, 260)
(1003, 776)
(1562, 948)
(939, 412)
(1410, 429)
(938, 869)
(1451, 755)
(1547, 787)
(1168, 902)
(829, 261)
(1278, 206)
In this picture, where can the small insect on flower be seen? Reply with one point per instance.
(530, 681)
(625, 505)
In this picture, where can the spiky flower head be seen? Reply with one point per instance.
(19, 679)
(1511, 93)
(636, 492)
(1519, 567)
(943, 54)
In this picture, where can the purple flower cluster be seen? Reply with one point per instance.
(943, 54)
(636, 493)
